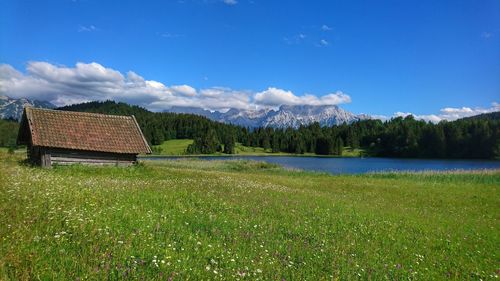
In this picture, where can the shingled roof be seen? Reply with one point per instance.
(82, 131)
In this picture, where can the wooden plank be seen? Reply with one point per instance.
(56, 159)
(45, 159)
(91, 154)
(94, 163)
(47, 156)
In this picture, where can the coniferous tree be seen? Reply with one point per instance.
(475, 137)
(229, 144)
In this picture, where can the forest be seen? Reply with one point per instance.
(476, 137)
(8, 133)
(399, 137)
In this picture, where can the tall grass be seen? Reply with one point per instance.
(190, 219)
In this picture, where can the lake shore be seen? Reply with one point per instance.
(350, 165)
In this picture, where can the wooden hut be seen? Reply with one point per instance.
(67, 137)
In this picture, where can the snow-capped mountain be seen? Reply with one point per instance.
(285, 116)
(13, 108)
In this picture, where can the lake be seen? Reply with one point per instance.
(359, 165)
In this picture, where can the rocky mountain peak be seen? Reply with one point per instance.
(13, 108)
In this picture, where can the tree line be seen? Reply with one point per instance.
(8, 133)
(477, 137)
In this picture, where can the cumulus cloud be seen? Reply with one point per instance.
(63, 85)
(274, 97)
(447, 113)
(184, 90)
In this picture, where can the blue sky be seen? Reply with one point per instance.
(385, 56)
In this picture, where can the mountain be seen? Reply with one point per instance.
(13, 108)
(286, 116)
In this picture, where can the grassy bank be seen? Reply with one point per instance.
(190, 219)
(179, 147)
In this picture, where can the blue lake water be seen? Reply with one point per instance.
(360, 165)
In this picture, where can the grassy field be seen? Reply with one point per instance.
(198, 220)
(178, 147)
(172, 147)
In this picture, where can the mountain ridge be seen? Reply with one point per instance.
(285, 116)
(11, 108)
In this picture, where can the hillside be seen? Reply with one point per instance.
(485, 116)
(180, 147)
(477, 138)
(398, 137)
(8, 132)
(244, 220)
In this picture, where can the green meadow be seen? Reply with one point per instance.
(243, 220)
(178, 147)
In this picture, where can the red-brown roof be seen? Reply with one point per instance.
(83, 131)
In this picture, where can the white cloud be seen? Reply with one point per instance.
(230, 2)
(184, 90)
(323, 42)
(431, 117)
(275, 97)
(450, 113)
(63, 85)
(447, 113)
(325, 27)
